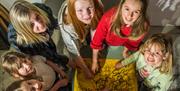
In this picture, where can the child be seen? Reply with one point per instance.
(153, 62)
(78, 20)
(122, 28)
(23, 66)
(26, 85)
(31, 30)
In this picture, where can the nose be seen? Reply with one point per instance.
(37, 25)
(27, 67)
(86, 14)
(151, 54)
(130, 15)
(36, 85)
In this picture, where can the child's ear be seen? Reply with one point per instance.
(165, 56)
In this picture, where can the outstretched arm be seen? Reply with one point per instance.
(95, 60)
(60, 83)
(57, 69)
(63, 81)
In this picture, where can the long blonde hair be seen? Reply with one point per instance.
(164, 42)
(20, 19)
(139, 27)
(79, 26)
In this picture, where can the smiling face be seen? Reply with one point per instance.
(84, 10)
(153, 55)
(37, 23)
(131, 10)
(26, 68)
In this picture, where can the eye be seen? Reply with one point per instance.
(91, 8)
(79, 10)
(29, 83)
(20, 66)
(38, 18)
(32, 24)
(158, 54)
(147, 51)
(126, 9)
(137, 12)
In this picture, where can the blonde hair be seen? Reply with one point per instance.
(140, 26)
(20, 19)
(164, 42)
(79, 26)
(11, 61)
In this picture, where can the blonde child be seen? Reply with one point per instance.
(32, 25)
(26, 85)
(153, 62)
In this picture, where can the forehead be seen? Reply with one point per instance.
(133, 4)
(25, 86)
(83, 3)
(26, 61)
(33, 15)
(154, 46)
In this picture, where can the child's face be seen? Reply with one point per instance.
(84, 10)
(26, 68)
(153, 55)
(131, 10)
(31, 85)
(37, 23)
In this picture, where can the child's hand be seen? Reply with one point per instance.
(144, 73)
(62, 74)
(59, 83)
(63, 82)
(95, 67)
(118, 65)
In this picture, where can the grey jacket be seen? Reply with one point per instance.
(69, 35)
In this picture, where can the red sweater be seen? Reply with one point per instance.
(103, 34)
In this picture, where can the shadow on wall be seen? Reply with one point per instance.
(54, 5)
(164, 12)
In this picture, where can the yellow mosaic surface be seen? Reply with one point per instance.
(123, 79)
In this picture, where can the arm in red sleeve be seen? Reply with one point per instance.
(100, 34)
(102, 30)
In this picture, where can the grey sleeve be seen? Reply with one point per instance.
(70, 43)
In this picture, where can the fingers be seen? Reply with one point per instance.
(118, 65)
(94, 69)
(144, 73)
